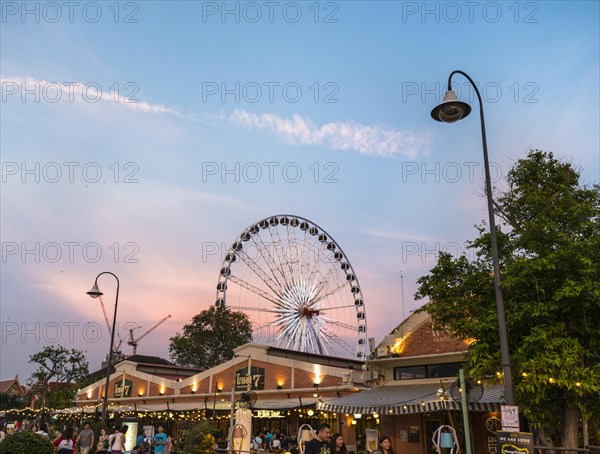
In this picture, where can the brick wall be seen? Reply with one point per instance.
(425, 341)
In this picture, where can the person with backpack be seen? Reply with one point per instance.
(257, 442)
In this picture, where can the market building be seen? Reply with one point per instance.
(412, 375)
(288, 385)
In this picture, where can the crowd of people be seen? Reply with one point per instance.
(322, 443)
(69, 440)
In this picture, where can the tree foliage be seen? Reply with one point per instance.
(549, 242)
(198, 439)
(26, 443)
(210, 338)
(58, 372)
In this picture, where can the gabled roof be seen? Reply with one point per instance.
(417, 336)
(12, 386)
(144, 359)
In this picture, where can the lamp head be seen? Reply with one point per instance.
(451, 109)
(95, 291)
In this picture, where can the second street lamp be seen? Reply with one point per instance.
(95, 293)
(449, 111)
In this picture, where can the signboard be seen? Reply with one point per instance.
(269, 414)
(123, 389)
(509, 416)
(514, 443)
(130, 435)
(371, 436)
(255, 380)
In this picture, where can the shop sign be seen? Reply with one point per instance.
(514, 443)
(269, 414)
(255, 380)
(123, 389)
(509, 416)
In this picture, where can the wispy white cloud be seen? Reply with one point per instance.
(75, 92)
(365, 139)
(369, 140)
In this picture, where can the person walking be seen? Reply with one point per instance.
(118, 442)
(319, 444)
(140, 441)
(337, 444)
(276, 444)
(103, 438)
(385, 445)
(111, 438)
(85, 440)
(160, 440)
(257, 442)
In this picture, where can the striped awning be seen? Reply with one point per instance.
(407, 399)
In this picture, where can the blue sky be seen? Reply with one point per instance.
(343, 94)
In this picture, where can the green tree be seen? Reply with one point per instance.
(58, 372)
(549, 242)
(210, 338)
(26, 443)
(198, 439)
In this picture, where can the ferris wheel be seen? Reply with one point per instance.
(297, 287)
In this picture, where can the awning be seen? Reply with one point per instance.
(409, 399)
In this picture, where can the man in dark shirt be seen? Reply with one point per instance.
(319, 444)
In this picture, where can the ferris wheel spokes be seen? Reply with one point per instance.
(253, 289)
(258, 271)
(299, 284)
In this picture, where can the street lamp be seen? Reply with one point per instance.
(449, 111)
(95, 293)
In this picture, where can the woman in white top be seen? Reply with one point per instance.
(118, 442)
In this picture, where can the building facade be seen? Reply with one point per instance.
(287, 386)
(413, 379)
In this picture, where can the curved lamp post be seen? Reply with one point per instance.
(449, 111)
(95, 293)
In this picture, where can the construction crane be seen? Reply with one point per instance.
(134, 342)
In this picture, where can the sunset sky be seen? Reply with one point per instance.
(142, 137)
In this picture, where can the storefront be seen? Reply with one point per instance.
(286, 387)
(414, 390)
